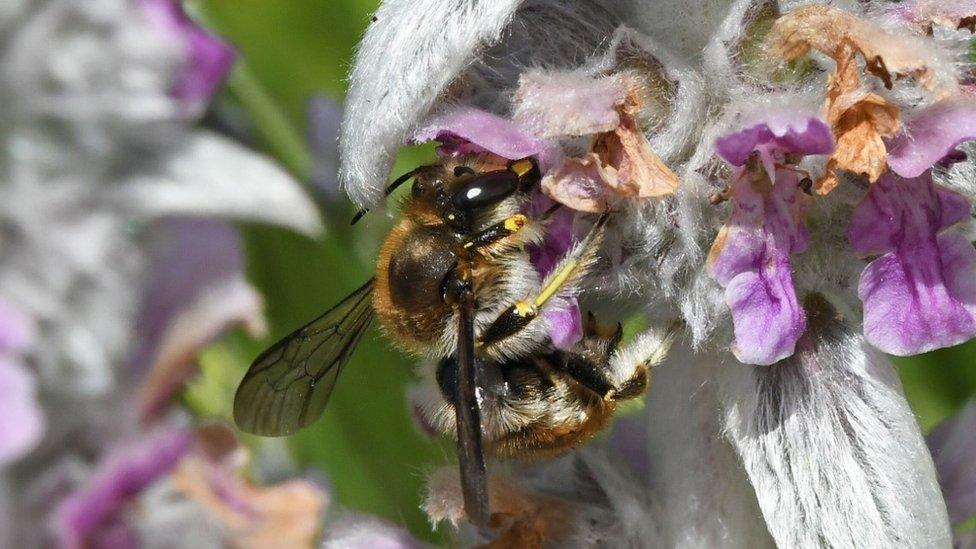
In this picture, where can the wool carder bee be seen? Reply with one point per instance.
(454, 283)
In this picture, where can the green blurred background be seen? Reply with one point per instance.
(374, 458)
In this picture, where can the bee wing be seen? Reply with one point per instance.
(288, 385)
(474, 481)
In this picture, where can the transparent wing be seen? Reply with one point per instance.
(288, 385)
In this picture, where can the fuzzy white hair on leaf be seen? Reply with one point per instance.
(409, 55)
(831, 446)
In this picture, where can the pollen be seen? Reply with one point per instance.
(515, 223)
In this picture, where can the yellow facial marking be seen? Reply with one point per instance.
(521, 167)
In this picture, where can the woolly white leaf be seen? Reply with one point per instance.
(706, 500)
(410, 54)
(209, 175)
(831, 445)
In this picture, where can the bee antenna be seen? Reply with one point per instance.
(389, 190)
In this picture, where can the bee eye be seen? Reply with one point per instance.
(486, 189)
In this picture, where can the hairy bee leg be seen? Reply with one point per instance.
(566, 272)
(629, 366)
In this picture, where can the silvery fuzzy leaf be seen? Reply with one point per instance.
(391, 88)
(208, 175)
(693, 471)
(831, 446)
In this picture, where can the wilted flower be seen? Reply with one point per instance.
(839, 156)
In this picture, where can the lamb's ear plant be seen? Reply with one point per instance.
(790, 187)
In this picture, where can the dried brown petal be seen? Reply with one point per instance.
(521, 518)
(859, 119)
(283, 515)
(620, 164)
(825, 28)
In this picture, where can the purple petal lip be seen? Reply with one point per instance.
(87, 513)
(467, 129)
(21, 418)
(16, 330)
(931, 135)
(921, 293)
(953, 445)
(752, 261)
(207, 58)
(803, 135)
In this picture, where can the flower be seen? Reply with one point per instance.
(93, 517)
(921, 293)
(206, 58)
(100, 163)
(932, 135)
(951, 443)
(21, 419)
(203, 469)
(751, 254)
(811, 442)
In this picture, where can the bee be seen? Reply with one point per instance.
(454, 283)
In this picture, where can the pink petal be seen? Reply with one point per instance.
(195, 293)
(877, 224)
(921, 294)
(751, 258)
(207, 60)
(953, 445)
(16, 330)
(932, 134)
(566, 324)
(782, 131)
(21, 417)
(94, 511)
(466, 129)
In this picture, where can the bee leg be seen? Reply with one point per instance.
(560, 280)
(497, 233)
(629, 366)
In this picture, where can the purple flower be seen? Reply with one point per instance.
(464, 129)
(779, 132)
(196, 292)
(21, 418)
(565, 323)
(751, 255)
(207, 59)
(932, 135)
(92, 517)
(921, 293)
(953, 445)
